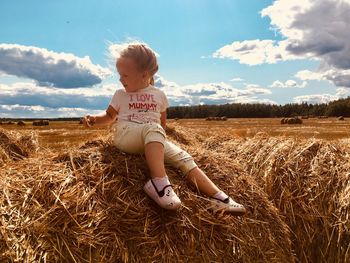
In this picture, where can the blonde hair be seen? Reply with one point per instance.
(144, 57)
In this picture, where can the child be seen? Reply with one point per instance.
(140, 110)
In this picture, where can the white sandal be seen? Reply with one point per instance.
(166, 198)
(227, 205)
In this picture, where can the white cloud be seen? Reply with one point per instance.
(311, 29)
(210, 93)
(337, 76)
(254, 52)
(322, 98)
(342, 92)
(288, 84)
(50, 68)
(309, 75)
(236, 79)
(22, 107)
(314, 28)
(315, 98)
(254, 89)
(30, 94)
(37, 111)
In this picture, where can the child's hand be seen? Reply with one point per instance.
(89, 121)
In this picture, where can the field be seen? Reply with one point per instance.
(70, 196)
(62, 134)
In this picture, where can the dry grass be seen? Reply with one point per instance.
(308, 181)
(329, 129)
(16, 145)
(86, 203)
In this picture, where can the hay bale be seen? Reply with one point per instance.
(304, 117)
(223, 118)
(37, 123)
(294, 120)
(89, 205)
(40, 123)
(291, 120)
(340, 118)
(298, 121)
(308, 181)
(21, 123)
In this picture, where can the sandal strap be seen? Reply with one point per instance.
(226, 200)
(161, 192)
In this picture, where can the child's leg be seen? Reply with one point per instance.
(182, 160)
(149, 138)
(159, 187)
(219, 200)
(154, 152)
(199, 179)
(143, 138)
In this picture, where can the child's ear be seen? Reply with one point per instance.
(145, 74)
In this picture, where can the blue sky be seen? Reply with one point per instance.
(55, 56)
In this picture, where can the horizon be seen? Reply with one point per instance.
(56, 58)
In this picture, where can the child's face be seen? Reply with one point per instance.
(130, 76)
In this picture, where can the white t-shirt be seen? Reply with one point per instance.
(142, 106)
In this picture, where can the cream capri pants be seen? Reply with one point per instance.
(132, 137)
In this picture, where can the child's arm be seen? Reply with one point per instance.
(105, 119)
(163, 119)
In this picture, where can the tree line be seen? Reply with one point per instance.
(339, 107)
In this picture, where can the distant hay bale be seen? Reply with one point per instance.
(294, 120)
(224, 118)
(88, 205)
(298, 121)
(304, 117)
(340, 118)
(21, 123)
(10, 122)
(40, 123)
(37, 123)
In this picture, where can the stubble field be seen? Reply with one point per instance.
(69, 134)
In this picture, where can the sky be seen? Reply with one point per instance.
(57, 57)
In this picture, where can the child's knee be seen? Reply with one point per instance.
(153, 132)
(183, 161)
